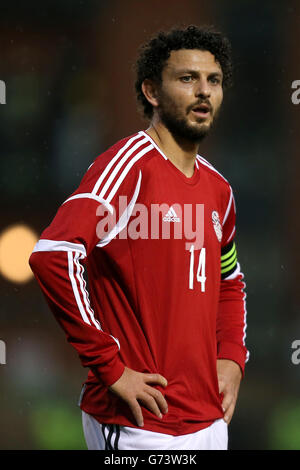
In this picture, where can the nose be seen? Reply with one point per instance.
(202, 88)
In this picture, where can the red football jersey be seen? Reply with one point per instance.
(166, 294)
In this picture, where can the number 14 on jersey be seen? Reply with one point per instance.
(200, 276)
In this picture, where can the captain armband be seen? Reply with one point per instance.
(228, 260)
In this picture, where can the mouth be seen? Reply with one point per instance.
(201, 111)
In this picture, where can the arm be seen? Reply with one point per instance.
(232, 353)
(58, 265)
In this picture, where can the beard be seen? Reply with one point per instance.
(178, 125)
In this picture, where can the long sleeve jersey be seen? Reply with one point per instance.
(165, 291)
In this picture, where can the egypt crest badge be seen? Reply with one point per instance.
(217, 225)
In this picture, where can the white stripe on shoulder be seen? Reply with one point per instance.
(230, 236)
(228, 207)
(126, 170)
(206, 163)
(116, 340)
(112, 162)
(119, 165)
(245, 324)
(245, 311)
(91, 196)
(84, 293)
(123, 221)
(75, 288)
(154, 144)
(58, 245)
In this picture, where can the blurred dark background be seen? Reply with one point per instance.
(67, 66)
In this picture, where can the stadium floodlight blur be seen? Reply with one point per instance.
(16, 243)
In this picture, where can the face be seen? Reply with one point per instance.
(190, 94)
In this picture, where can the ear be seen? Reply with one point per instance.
(149, 88)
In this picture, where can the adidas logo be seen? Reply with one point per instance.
(171, 216)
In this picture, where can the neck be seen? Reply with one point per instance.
(180, 152)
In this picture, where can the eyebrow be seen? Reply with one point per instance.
(196, 72)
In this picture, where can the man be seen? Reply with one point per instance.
(163, 331)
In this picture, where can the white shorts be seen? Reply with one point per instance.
(115, 437)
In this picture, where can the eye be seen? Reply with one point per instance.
(186, 78)
(215, 80)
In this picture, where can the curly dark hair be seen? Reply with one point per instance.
(155, 53)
